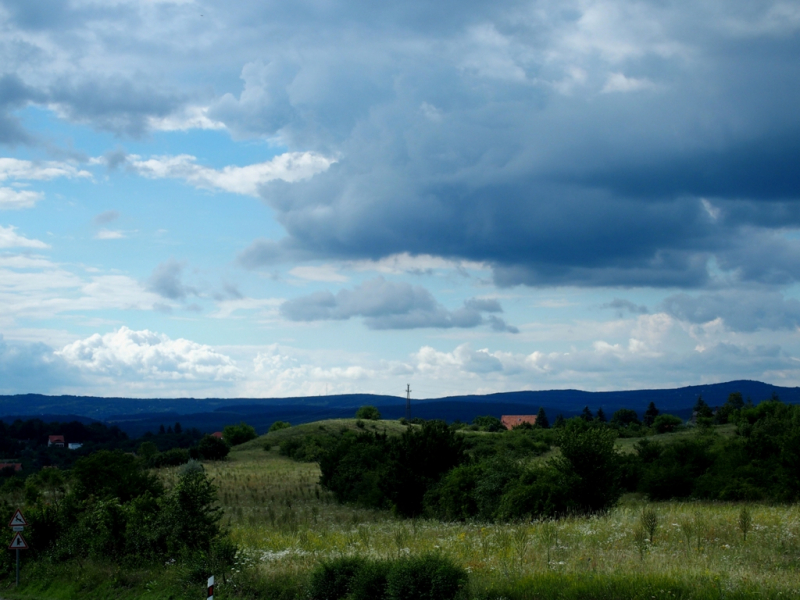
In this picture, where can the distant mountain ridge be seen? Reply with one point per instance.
(137, 415)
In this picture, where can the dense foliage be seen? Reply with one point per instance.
(107, 507)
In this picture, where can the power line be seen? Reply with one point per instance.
(408, 401)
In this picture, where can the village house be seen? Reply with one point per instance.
(9, 465)
(511, 421)
(55, 440)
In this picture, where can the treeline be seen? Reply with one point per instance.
(436, 471)
(26, 443)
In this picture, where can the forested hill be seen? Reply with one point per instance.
(138, 415)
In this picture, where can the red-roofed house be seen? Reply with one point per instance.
(56, 440)
(16, 466)
(511, 421)
(217, 434)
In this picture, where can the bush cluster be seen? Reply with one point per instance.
(115, 510)
(426, 577)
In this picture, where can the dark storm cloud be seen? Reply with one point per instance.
(479, 154)
(116, 104)
(13, 95)
(386, 305)
(741, 310)
(167, 281)
(562, 143)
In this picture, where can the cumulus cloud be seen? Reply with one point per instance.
(387, 305)
(128, 354)
(9, 238)
(15, 199)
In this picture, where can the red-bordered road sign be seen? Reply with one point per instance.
(18, 543)
(17, 520)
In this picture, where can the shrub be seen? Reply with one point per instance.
(238, 434)
(213, 448)
(369, 413)
(666, 423)
(334, 580)
(278, 425)
(427, 577)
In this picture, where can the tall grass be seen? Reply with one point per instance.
(286, 525)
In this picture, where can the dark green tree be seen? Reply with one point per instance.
(601, 416)
(278, 425)
(541, 419)
(586, 415)
(625, 417)
(650, 414)
(702, 410)
(559, 422)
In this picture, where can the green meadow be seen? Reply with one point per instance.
(285, 526)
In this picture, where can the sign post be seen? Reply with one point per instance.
(18, 543)
(211, 588)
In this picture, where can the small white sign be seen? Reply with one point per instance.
(17, 520)
(17, 528)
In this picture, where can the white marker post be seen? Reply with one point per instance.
(17, 524)
(211, 588)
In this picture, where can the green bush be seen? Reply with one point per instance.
(666, 423)
(334, 580)
(213, 448)
(278, 425)
(369, 413)
(427, 577)
(238, 434)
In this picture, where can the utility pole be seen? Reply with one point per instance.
(408, 401)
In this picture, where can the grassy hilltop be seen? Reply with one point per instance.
(286, 525)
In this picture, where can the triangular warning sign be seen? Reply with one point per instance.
(18, 543)
(17, 520)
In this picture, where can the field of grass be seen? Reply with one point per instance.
(286, 524)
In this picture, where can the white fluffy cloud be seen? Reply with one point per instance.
(13, 199)
(9, 238)
(290, 167)
(14, 168)
(129, 354)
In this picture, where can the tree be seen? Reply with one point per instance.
(589, 454)
(213, 448)
(601, 416)
(106, 474)
(625, 417)
(238, 434)
(369, 413)
(666, 423)
(541, 419)
(278, 425)
(586, 415)
(178, 428)
(559, 422)
(701, 409)
(147, 450)
(650, 414)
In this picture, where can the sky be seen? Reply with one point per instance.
(265, 199)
